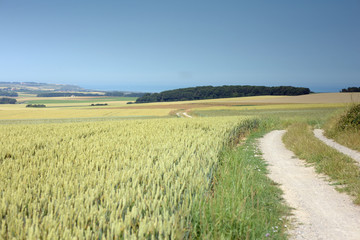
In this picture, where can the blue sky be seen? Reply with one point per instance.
(159, 45)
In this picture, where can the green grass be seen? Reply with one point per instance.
(279, 118)
(22, 94)
(87, 100)
(244, 203)
(311, 115)
(342, 170)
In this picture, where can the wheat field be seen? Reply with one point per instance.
(107, 180)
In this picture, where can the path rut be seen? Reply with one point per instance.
(320, 212)
(319, 133)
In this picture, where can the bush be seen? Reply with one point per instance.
(351, 119)
(8, 93)
(36, 105)
(99, 104)
(7, 101)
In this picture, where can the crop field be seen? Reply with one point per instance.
(271, 107)
(133, 179)
(72, 170)
(310, 112)
(79, 107)
(76, 100)
(76, 112)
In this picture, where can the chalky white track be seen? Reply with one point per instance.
(320, 211)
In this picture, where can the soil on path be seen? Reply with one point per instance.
(320, 212)
(319, 133)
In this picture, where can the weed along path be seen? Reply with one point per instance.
(320, 212)
(319, 133)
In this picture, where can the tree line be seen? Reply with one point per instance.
(210, 92)
(36, 105)
(123, 94)
(351, 89)
(98, 104)
(8, 93)
(7, 100)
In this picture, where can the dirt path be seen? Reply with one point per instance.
(320, 211)
(180, 114)
(319, 133)
(187, 115)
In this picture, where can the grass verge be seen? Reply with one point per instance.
(344, 127)
(244, 203)
(342, 170)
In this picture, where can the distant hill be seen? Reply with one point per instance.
(34, 87)
(10, 89)
(210, 92)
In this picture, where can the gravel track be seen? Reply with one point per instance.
(187, 115)
(319, 133)
(320, 212)
(181, 114)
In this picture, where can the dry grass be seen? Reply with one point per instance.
(348, 136)
(351, 139)
(318, 98)
(268, 106)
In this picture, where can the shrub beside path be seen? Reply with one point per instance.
(319, 133)
(320, 212)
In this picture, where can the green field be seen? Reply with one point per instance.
(84, 100)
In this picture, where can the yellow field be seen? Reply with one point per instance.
(274, 106)
(74, 110)
(47, 113)
(318, 98)
(121, 109)
(107, 180)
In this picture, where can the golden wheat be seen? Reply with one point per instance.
(110, 180)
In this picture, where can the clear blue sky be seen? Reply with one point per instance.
(158, 45)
